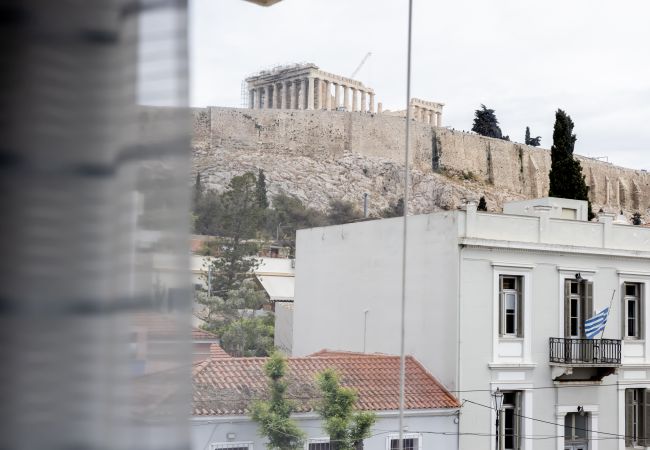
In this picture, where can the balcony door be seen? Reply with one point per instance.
(578, 307)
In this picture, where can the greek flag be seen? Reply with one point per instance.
(596, 324)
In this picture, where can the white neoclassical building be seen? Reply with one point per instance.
(496, 301)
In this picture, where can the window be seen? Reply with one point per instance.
(511, 322)
(318, 444)
(578, 306)
(637, 417)
(575, 429)
(231, 446)
(510, 421)
(632, 307)
(408, 444)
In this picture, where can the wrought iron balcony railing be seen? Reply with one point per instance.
(585, 352)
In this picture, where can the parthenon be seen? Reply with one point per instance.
(305, 86)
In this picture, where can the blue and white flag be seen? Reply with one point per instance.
(596, 324)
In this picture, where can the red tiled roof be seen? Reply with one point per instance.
(216, 352)
(227, 386)
(202, 335)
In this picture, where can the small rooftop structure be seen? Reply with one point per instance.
(226, 386)
(559, 208)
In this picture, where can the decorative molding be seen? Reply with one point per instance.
(511, 366)
(508, 265)
(631, 273)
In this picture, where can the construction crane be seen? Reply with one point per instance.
(363, 61)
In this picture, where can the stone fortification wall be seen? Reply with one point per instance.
(331, 135)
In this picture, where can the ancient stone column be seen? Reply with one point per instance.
(318, 89)
(355, 104)
(301, 93)
(328, 96)
(268, 99)
(337, 95)
(346, 98)
(364, 102)
(276, 96)
(380, 107)
(285, 95)
(439, 119)
(372, 103)
(251, 98)
(292, 95)
(310, 93)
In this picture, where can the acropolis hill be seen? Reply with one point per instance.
(321, 136)
(317, 155)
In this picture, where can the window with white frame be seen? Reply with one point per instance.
(511, 306)
(232, 446)
(318, 444)
(637, 417)
(409, 442)
(510, 421)
(632, 307)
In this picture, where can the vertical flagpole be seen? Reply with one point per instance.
(608, 312)
(402, 366)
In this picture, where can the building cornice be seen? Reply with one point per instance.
(534, 247)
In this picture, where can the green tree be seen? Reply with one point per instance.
(241, 214)
(395, 209)
(566, 178)
(486, 123)
(535, 142)
(260, 190)
(249, 336)
(346, 427)
(482, 204)
(235, 305)
(289, 214)
(274, 415)
(207, 213)
(342, 211)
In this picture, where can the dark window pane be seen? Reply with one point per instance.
(630, 289)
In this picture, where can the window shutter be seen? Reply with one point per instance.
(641, 311)
(520, 306)
(644, 420)
(629, 413)
(517, 421)
(501, 305)
(623, 313)
(589, 305)
(567, 309)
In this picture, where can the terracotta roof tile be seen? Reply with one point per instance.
(217, 352)
(202, 335)
(227, 386)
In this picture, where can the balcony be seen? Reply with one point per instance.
(584, 359)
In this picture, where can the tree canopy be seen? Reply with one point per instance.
(346, 427)
(274, 415)
(486, 123)
(534, 142)
(565, 178)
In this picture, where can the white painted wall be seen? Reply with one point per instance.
(344, 270)
(341, 271)
(436, 430)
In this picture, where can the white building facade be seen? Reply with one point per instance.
(496, 301)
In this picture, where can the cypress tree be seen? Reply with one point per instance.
(482, 204)
(566, 178)
(260, 190)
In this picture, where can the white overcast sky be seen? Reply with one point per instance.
(522, 58)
